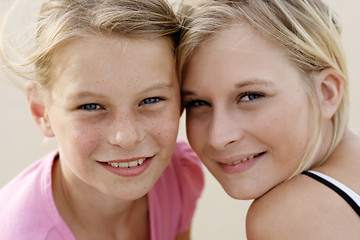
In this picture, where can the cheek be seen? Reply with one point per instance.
(165, 126)
(196, 132)
(84, 136)
(286, 131)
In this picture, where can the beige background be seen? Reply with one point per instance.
(218, 216)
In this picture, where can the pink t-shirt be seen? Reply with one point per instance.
(28, 211)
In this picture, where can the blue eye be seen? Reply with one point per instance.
(196, 103)
(90, 107)
(250, 96)
(151, 100)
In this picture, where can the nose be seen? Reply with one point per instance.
(126, 131)
(225, 129)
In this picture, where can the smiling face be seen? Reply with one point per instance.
(114, 108)
(246, 111)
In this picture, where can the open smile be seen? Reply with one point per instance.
(129, 167)
(128, 164)
(245, 159)
(241, 165)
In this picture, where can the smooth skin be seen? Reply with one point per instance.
(249, 120)
(117, 99)
(244, 99)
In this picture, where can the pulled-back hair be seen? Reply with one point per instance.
(308, 30)
(61, 21)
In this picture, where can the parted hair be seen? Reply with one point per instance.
(308, 30)
(61, 21)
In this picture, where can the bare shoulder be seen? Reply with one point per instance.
(301, 208)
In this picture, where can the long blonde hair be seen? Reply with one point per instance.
(308, 30)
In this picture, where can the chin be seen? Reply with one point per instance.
(241, 193)
(131, 196)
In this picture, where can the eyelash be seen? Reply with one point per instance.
(91, 105)
(250, 95)
(95, 106)
(153, 100)
(195, 103)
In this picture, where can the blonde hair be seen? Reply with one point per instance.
(308, 30)
(61, 21)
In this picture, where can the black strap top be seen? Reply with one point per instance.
(337, 187)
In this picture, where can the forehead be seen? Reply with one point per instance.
(239, 54)
(237, 46)
(108, 60)
(239, 38)
(88, 42)
(111, 48)
(107, 42)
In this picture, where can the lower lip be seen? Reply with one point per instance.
(242, 166)
(128, 172)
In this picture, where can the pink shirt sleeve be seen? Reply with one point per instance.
(192, 178)
(173, 199)
(27, 207)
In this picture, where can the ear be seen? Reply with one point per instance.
(331, 84)
(38, 109)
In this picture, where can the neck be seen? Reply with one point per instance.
(87, 210)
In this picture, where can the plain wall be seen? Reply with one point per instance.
(217, 216)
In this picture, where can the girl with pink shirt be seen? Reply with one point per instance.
(105, 86)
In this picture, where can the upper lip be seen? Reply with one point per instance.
(236, 158)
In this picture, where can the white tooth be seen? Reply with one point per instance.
(233, 163)
(114, 164)
(237, 162)
(123, 165)
(133, 164)
(140, 161)
(242, 160)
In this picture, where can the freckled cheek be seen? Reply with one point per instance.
(87, 137)
(165, 126)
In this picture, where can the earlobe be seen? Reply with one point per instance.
(38, 109)
(331, 86)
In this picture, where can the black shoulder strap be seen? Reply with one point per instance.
(344, 195)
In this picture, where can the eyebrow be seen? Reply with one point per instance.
(248, 82)
(186, 93)
(254, 81)
(167, 85)
(84, 94)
